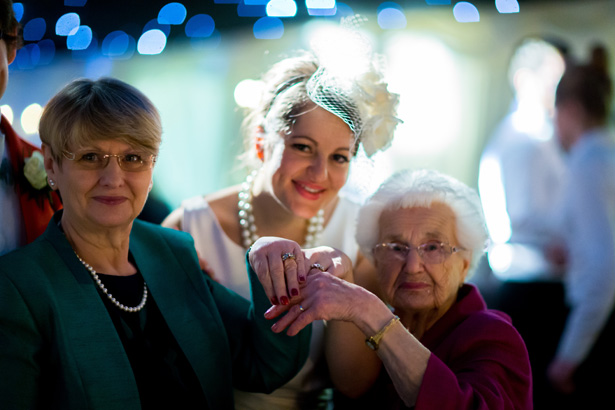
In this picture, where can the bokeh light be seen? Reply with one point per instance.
(68, 24)
(391, 16)
(152, 42)
(281, 8)
(268, 28)
(200, 26)
(18, 10)
(172, 13)
(118, 45)
(321, 7)
(34, 30)
(155, 25)
(80, 39)
(7, 111)
(248, 93)
(465, 12)
(30, 118)
(75, 3)
(507, 6)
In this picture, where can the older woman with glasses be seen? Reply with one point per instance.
(431, 343)
(107, 312)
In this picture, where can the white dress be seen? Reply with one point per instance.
(227, 260)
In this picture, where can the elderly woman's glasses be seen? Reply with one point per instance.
(431, 252)
(92, 160)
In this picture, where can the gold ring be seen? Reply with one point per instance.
(288, 255)
(301, 308)
(317, 266)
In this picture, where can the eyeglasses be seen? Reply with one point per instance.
(431, 252)
(93, 160)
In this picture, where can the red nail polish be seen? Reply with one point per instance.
(274, 301)
(284, 300)
(301, 278)
(294, 292)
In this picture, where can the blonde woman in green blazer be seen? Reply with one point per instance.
(107, 312)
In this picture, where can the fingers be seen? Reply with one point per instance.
(295, 320)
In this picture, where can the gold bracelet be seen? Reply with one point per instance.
(373, 342)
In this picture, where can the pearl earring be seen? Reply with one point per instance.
(52, 183)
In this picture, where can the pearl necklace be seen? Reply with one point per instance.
(248, 227)
(109, 295)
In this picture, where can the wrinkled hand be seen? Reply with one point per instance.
(280, 278)
(331, 260)
(324, 297)
(560, 374)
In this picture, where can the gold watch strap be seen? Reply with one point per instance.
(373, 342)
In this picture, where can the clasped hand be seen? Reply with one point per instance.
(308, 284)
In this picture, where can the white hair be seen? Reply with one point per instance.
(421, 188)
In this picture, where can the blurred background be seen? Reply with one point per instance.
(196, 60)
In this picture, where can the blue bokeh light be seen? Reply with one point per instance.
(154, 25)
(344, 10)
(465, 12)
(67, 24)
(507, 6)
(88, 53)
(34, 30)
(80, 40)
(282, 8)
(18, 10)
(172, 13)
(200, 26)
(268, 28)
(437, 2)
(152, 42)
(118, 45)
(23, 59)
(320, 4)
(244, 10)
(322, 12)
(255, 2)
(392, 18)
(75, 3)
(47, 49)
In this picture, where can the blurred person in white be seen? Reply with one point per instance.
(26, 201)
(585, 354)
(521, 176)
(316, 109)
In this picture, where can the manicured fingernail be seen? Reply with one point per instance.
(302, 278)
(294, 292)
(269, 312)
(275, 327)
(274, 301)
(284, 300)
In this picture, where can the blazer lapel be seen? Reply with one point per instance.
(99, 356)
(192, 320)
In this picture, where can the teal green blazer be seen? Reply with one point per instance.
(59, 348)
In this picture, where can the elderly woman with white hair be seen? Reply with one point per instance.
(432, 332)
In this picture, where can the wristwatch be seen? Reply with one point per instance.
(373, 342)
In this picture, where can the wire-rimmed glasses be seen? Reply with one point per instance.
(432, 252)
(94, 160)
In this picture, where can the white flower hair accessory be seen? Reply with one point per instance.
(349, 83)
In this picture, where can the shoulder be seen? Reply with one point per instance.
(147, 231)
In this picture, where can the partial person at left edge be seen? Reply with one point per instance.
(26, 201)
(107, 312)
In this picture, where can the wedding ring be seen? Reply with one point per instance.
(288, 255)
(317, 266)
(301, 308)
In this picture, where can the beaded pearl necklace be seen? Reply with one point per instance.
(109, 295)
(248, 227)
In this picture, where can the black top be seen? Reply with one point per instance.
(164, 377)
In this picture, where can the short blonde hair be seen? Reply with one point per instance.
(421, 188)
(86, 110)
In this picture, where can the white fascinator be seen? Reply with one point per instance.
(349, 83)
